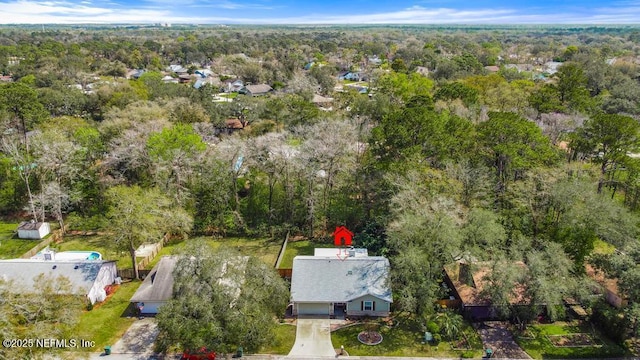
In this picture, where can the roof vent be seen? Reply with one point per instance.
(349, 272)
(54, 267)
(76, 267)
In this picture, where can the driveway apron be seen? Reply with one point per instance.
(313, 338)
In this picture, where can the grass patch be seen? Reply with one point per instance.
(285, 336)
(538, 345)
(264, 249)
(106, 323)
(10, 246)
(603, 247)
(301, 247)
(404, 339)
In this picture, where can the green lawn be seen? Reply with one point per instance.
(285, 336)
(106, 323)
(11, 247)
(263, 248)
(603, 247)
(301, 247)
(536, 343)
(404, 339)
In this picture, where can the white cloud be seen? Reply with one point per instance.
(65, 12)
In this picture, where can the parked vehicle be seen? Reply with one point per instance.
(200, 354)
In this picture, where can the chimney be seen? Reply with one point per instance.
(352, 252)
(464, 273)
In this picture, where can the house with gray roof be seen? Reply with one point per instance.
(256, 90)
(340, 284)
(87, 277)
(157, 287)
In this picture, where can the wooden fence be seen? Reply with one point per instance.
(56, 235)
(285, 273)
(156, 249)
(283, 249)
(128, 273)
(142, 264)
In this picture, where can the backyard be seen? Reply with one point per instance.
(103, 244)
(263, 248)
(299, 247)
(10, 246)
(405, 338)
(574, 339)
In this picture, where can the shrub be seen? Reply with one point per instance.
(610, 320)
(433, 327)
(469, 354)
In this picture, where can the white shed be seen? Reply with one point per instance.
(33, 230)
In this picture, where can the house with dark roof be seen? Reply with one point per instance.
(467, 282)
(87, 277)
(157, 287)
(340, 283)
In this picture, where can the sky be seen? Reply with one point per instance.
(320, 11)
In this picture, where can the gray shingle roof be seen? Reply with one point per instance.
(259, 89)
(158, 285)
(322, 279)
(81, 274)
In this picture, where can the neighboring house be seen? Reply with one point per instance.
(234, 124)
(178, 69)
(256, 90)
(157, 287)
(359, 88)
(185, 78)
(610, 287)
(467, 282)
(340, 283)
(492, 68)
(232, 85)
(374, 60)
(322, 102)
(6, 78)
(33, 230)
(135, 74)
(168, 79)
(89, 278)
(352, 76)
(204, 73)
(519, 67)
(551, 67)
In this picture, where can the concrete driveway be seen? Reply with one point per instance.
(313, 338)
(136, 343)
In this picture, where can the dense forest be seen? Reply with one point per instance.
(489, 144)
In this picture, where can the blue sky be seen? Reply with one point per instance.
(321, 11)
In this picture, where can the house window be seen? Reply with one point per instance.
(368, 306)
